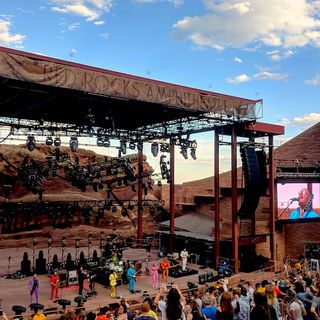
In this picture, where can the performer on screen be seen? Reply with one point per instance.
(131, 274)
(165, 265)
(304, 210)
(54, 281)
(34, 287)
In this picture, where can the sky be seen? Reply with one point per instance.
(254, 49)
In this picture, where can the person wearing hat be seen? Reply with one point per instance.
(113, 283)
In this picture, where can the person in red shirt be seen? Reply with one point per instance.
(54, 281)
(165, 265)
(102, 314)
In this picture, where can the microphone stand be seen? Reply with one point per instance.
(285, 209)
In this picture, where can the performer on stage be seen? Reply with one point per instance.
(54, 281)
(155, 276)
(184, 257)
(165, 265)
(113, 283)
(34, 287)
(81, 276)
(131, 274)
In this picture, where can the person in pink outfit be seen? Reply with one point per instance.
(155, 276)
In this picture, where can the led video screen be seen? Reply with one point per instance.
(298, 201)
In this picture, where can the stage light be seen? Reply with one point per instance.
(132, 145)
(155, 149)
(95, 186)
(184, 152)
(114, 209)
(163, 148)
(100, 142)
(152, 210)
(123, 146)
(130, 206)
(124, 212)
(57, 142)
(31, 143)
(106, 142)
(49, 141)
(140, 146)
(193, 153)
(159, 183)
(73, 144)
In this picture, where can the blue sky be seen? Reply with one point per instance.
(255, 49)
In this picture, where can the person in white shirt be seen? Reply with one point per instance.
(184, 256)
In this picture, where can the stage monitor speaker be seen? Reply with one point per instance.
(209, 277)
(202, 278)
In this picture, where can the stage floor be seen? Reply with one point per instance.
(15, 291)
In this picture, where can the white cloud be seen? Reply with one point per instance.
(7, 38)
(258, 76)
(236, 59)
(238, 79)
(236, 23)
(307, 119)
(105, 35)
(175, 3)
(89, 9)
(269, 75)
(74, 26)
(99, 23)
(315, 81)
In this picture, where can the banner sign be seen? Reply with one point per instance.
(107, 83)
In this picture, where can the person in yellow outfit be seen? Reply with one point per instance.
(39, 315)
(113, 283)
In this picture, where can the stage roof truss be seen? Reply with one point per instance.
(159, 131)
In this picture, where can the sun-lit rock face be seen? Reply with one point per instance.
(58, 188)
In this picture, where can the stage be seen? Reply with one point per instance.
(16, 291)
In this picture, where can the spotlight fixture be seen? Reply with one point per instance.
(155, 149)
(184, 152)
(31, 143)
(74, 144)
(106, 142)
(140, 146)
(57, 142)
(124, 212)
(132, 145)
(100, 142)
(152, 211)
(123, 146)
(159, 183)
(114, 209)
(49, 141)
(130, 206)
(193, 153)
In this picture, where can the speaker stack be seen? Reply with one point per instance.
(253, 175)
